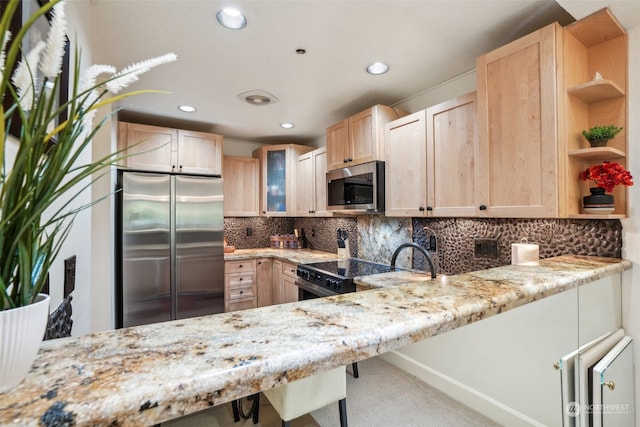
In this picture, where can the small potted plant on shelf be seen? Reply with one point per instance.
(598, 136)
(42, 171)
(606, 176)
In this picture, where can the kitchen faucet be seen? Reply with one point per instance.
(415, 246)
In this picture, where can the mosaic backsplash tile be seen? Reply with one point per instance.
(375, 237)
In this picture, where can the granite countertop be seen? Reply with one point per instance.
(296, 256)
(148, 374)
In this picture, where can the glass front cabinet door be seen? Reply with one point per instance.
(277, 178)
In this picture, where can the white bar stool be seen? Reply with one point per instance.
(305, 395)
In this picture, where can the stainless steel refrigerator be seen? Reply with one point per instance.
(170, 233)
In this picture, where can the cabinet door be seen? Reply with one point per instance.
(278, 297)
(199, 153)
(289, 288)
(305, 182)
(320, 182)
(338, 145)
(406, 166)
(518, 127)
(150, 148)
(362, 138)
(264, 281)
(451, 143)
(241, 186)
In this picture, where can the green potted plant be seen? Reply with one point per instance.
(598, 136)
(41, 174)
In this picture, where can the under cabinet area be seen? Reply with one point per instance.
(430, 161)
(311, 198)
(240, 291)
(359, 138)
(241, 186)
(161, 149)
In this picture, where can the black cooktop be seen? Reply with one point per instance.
(348, 268)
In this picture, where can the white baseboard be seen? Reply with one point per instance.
(471, 398)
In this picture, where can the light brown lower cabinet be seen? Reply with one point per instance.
(240, 285)
(258, 282)
(264, 281)
(284, 287)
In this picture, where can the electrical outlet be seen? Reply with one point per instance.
(485, 248)
(249, 231)
(69, 275)
(432, 243)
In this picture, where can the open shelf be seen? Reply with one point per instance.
(596, 91)
(602, 153)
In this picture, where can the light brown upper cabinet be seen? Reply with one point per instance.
(311, 176)
(596, 43)
(241, 186)
(278, 183)
(160, 149)
(535, 97)
(430, 161)
(359, 138)
(518, 163)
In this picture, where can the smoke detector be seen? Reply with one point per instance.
(258, 97)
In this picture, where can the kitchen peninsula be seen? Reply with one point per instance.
(148, 374)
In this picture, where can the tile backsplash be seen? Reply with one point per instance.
(375, 237)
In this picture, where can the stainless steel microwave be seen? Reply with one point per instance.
(356, 189)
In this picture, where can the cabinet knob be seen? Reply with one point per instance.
(349, 159)
(173, 167)
(483, 207)
(345, 160)
(240, 266)
(429, 208)
(180, 167)
(610, 384)
(241, 292)
(421, 208)
(556, 366)
(241, 279)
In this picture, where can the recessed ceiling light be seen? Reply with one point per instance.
(286, 125)
(187, 108)
(231, 18)
(377, 68)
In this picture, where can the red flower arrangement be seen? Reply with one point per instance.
(607, 175)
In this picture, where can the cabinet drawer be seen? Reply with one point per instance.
(240, 304)
(241, 291)
(289, 269)
(240, 279)
(240, 265)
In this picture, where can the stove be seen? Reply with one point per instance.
(334, 277)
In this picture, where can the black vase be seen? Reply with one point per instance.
(598, 202)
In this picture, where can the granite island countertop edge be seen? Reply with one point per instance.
(149, 374)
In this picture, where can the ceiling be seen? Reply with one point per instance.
(425, 42)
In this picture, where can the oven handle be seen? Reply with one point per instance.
(315, 289)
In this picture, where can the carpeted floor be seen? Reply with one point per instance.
(383, 396)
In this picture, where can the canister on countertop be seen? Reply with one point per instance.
(525, 253)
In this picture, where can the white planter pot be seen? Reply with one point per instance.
(21, 333)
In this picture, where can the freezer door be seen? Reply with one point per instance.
(199, 251)
(146, 291)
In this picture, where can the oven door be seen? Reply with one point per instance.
(308, 290)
